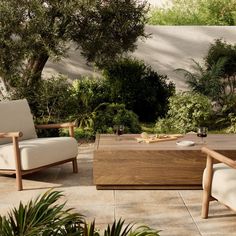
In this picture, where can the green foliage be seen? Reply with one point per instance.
(86, 101)
(50, 100)
(140, 88)
(232, 126)
(217, 79)
(88, 94)
(206, 81)
(81, 134)
(107, 30)
(148, 127)
(45, 217)
(221, 49)
(41, 217)
(119, 229)
(107, 115)
(187, 111)
(33, 31)
(195, 12)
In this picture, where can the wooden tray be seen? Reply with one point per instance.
(155, 140)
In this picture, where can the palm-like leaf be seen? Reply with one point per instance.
(144, 231)
(118, 229)
(41, 217)
(206, 81)
(89, 230)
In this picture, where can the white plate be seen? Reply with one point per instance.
(185, 143)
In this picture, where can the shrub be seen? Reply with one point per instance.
(218, 51)
(192, 12)
(81, 134)
(217, 79)
(222, 50)
(205, 81)
(50, 100)
(232, 127)
(187, 111)
(140, 88)
(88, 94)
(108, 115)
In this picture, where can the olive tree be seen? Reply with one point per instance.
(32, 31)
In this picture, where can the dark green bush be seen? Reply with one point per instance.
(141, 89)
(51, 101)
(88, 94)
(108, 115)
(221, 49)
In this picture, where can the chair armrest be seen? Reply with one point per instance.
(11, 135)
(69, 125)
(219, 157)
(55, 126)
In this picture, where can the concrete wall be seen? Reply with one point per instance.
(168, 48)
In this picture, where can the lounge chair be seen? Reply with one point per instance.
(22, 152)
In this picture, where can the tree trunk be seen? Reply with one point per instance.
(3, 89)
(34, 68)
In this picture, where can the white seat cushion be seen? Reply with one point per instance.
(16, 116)
(38, 152)
(224, 184)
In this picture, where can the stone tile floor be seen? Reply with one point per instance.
(175, 212)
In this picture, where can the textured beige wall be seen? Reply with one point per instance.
(168, 48)
(172, 47)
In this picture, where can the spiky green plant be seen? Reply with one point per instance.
(45, 217)
(206, 81)
(42, 216)
(119, 229)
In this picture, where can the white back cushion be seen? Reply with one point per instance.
(15, 116)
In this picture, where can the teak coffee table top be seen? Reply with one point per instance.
(129, 142)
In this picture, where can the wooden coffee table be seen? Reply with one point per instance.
(126, 164)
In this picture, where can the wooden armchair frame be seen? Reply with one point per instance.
(15, 141)
(211, 155)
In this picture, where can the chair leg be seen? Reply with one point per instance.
(19, 181)
(207, 188)
(75, 166)
(17, 163)
(205, 204)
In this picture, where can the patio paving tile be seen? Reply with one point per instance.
(176, 212)
(103, 214)
(88, 195)
(167, 197)
(10, 199)
(172, 219)
(191, 196)
(221, 220)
